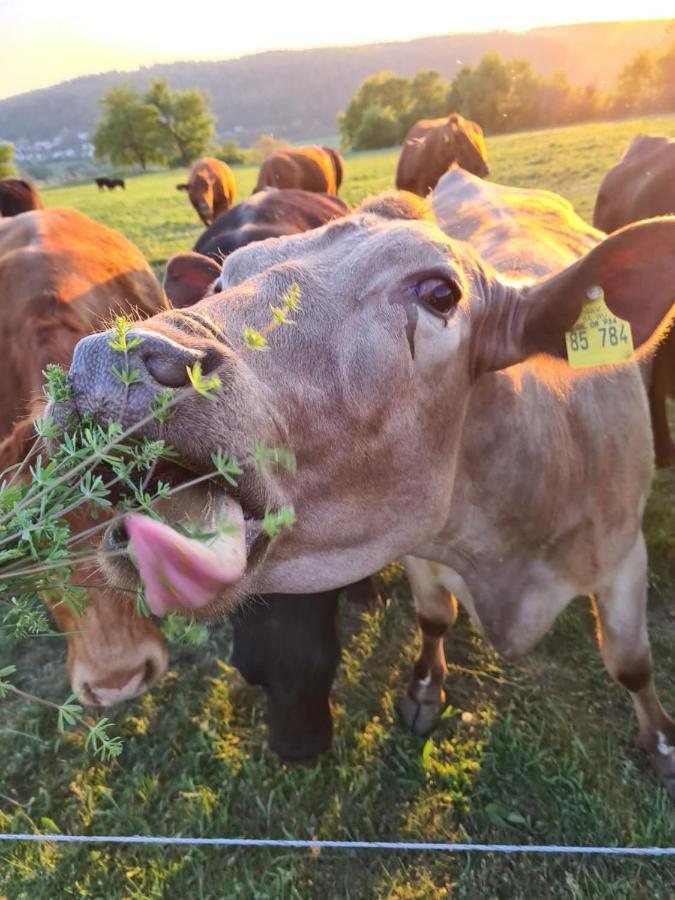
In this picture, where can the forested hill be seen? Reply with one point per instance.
(298, 94)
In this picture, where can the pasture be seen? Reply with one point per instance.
(541, 751)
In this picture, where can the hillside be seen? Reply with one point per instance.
(268, 91)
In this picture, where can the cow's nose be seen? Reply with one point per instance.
(123, 685)
(168, 362)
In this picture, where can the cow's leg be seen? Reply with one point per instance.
(436, 609)
(624, 644)
(664, 362)
(364, 593)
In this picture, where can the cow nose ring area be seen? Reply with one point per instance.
(168, 363)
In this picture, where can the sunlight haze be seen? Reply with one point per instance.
(44, 43)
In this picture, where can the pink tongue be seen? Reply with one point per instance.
(180, 572)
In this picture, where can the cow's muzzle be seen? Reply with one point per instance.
(110, 384)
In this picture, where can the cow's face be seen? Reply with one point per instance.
(469, 150)
(368, 388)
(201, 196)
(114, 654)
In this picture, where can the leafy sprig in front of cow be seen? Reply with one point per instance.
(87, 466)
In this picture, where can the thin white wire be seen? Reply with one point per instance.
(339, 845)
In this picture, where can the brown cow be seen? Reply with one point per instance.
(433, 145)
(62, 276)
(308, 168)
(640, 186)
(17, 196)
(211, 188)
(266, 214)
(401, 331)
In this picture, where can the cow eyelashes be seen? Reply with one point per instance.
(439, 295)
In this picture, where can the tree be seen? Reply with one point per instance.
(426, 99)
(482, 93)
(6, 160)
(634, 85)
(265, 145)
(379, 128)
(184, 121)
(230, 152)
(129, 132)
(665, 81)
(384, 90)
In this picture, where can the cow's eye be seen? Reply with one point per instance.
(439, 295)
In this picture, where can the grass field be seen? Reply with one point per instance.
(539, 752)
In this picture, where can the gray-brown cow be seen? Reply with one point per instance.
(405, 338)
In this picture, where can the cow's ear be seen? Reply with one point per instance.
(635, 267)
(182, 187)
(188, 276)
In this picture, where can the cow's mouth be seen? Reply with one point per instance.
(215, 537)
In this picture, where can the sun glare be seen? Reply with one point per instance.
(49, 43)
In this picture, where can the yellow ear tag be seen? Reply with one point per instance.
(598, 338)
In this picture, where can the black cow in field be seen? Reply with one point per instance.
(266, 214)
(17, 196)
(289, 645)
(110, 183)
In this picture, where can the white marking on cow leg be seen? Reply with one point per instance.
(624, 645)
(436, 610)
(662, 745)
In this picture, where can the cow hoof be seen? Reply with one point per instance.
(663, 761)
(419, 718)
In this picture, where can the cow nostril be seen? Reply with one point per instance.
(168, 362)
(87, 696)
(170, 369)
(151, 673)
(119, 535)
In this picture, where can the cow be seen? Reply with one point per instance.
(640, 186)
(210, 187)
(421, 383)
(433, 145)
(110, 183)
(17, 196)
(62, 276)
(309, 168)
(268, 213)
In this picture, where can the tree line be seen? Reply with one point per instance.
(501, 95)
(165, 126)
(161, 126)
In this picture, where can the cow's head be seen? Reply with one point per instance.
(114, 653)
(289, 645)
(368, 388)
(201, 193)
(468, 146)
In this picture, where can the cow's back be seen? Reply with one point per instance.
(268, 213)
(553, 471)
(62, 276)
(308, 168)
(640, 186)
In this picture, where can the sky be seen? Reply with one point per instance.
(46, 41)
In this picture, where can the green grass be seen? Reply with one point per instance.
(542, 751)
